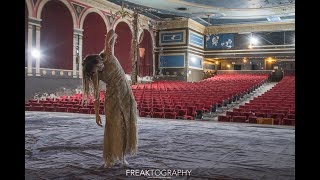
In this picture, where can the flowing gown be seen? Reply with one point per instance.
(120, 134)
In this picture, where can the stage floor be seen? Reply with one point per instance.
(69, 146)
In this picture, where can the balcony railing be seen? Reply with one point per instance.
(57, 73)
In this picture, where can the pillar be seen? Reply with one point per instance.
(80, 55)
(77, 52)
(38, 47)
(34, 26)
(29, 57)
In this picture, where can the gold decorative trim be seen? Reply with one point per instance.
(172, 24)
(192, 24)
(236, 28)
(106, 6)
(184, 37)
(230, 28)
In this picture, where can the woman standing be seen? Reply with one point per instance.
(120, 134)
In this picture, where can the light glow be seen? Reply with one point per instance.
(35, 53)
(245, 60)
(253, 40)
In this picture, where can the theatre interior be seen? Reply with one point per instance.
(214, 83)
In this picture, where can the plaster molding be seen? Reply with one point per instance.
(107, 6)
(192, 24)
(258, 27)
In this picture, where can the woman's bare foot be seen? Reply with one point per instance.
(124, 163)
(108, 164)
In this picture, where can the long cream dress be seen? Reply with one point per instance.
(120, 134)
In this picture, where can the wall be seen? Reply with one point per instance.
(244, 72)
(63, 26)
(49, 85)
(94, 31)
(56, 36)
(195, 68)
(146, 61)
(241, 41)
(194, 75)
(123, 47)
(286, 65)
(26, 35)
(174, 57)
(168, 64)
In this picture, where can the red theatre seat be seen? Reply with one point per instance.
(224, 118)
(157, 114)
(239, 119)
(73, 110)
(180, 113)
(84, 110)
(37, 108)
(290, 122)
(61, 109)
(170, 115)
(50, 109)
(252, 119)
(27, 108)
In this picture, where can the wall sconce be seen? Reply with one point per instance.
(244, 60)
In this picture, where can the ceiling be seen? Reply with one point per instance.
(216, 12)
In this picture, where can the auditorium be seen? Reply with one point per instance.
(160, 89)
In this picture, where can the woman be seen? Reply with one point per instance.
(120, 134)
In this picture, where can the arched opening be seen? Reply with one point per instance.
(26, 14)
(145, 55)
(56, 36)
(123, 46)
(94, 31)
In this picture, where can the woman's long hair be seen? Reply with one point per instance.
(89, 65)
(90, 62)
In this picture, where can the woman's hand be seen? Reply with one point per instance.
(98, 121)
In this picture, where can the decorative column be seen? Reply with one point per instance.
(153, 54)
(34, 26)
(135, 45)
(34, 41)
(29, 65)
(80, 55)
(77, 51)
(38, 47)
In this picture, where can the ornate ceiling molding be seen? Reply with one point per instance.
(276, 26)
(173, 24)
(192, 24)
(78, 9)
(284, 9)
(107, 6)
(234, 28)
(100, 4)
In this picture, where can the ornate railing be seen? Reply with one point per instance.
(57, 73)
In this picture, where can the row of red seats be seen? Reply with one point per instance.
(183, 99)
(277, 103)
(166, 99)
